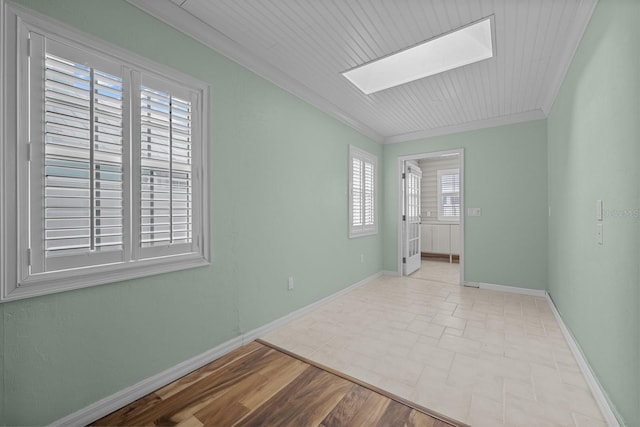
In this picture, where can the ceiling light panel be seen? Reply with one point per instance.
(464, 46)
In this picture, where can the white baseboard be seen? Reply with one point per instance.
(583, 364)
(109, 404)
(130, 394)
(510, 289)
(585, 368)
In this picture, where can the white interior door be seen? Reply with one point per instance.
(411, 218)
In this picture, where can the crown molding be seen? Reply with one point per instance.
(178, 18)
(565, 58)
(170, 12)
(469, 126)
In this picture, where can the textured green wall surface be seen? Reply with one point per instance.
(505, 174)
(279, 206)
(594, 149)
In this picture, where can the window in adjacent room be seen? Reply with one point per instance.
(110, 154)
(449, 194)
(363, 193)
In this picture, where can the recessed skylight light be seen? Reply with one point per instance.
(465, 46)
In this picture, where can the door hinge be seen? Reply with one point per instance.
(29, 151)
(404, 260)
(404, 217)
(404, 175)
(28, 47)
(29, 257)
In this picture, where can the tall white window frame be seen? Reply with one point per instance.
(448, 194)
(363, 193)
(73, 212)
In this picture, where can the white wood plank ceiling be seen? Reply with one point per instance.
(304, 45)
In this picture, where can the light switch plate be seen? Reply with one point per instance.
(474, 212)
(599, 210)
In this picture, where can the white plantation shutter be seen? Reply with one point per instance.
(166, 167)
(449, 194)
(368, 180)
(363, 193)
(357, 190)
(83, 159)
(166, 174)
(78, 159)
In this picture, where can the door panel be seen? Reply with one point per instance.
(412, 176)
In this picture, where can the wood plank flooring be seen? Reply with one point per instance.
(257, 385)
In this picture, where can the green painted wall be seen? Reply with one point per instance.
(505, 175)
(594, 148)
(279, 209)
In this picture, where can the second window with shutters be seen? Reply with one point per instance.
(111, 159)
(363, 192)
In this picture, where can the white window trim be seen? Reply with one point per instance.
(441, 172)
(363, 230)
(15, 282)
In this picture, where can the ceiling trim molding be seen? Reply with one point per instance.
(566, 56)
(173, 15)
(469, 126)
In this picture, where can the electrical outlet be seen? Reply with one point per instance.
(290, 283)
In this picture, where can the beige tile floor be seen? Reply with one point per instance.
(440, 271)
(486, 358)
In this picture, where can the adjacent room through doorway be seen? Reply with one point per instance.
(431, 220)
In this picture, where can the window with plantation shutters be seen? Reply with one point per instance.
(110, 154)
(449, 194)
(362, 193)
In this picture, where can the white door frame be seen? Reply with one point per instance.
(401, 160)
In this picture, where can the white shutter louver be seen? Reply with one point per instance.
(166, 169)
(82, 159)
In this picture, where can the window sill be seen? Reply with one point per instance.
(363, 234)
(50, 283)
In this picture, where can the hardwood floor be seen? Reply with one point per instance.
(257, 385)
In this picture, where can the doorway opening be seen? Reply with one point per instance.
(431, 216)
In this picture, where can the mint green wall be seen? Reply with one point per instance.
(505, 175)
(594, 149)
(279, 208)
